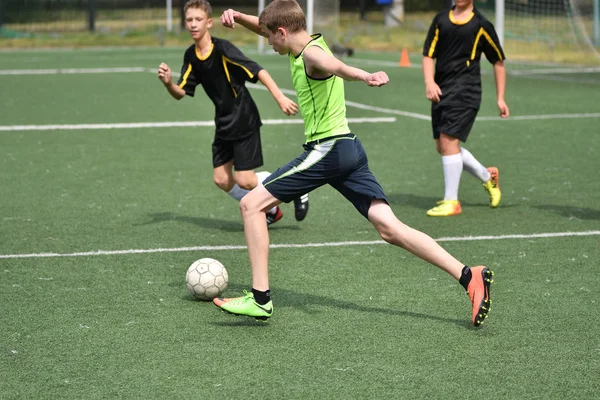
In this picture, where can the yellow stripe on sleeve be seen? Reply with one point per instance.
(434, 42)
(228, 76)
(482, 32)
(493, 44)
(250, 74)
(185, 76)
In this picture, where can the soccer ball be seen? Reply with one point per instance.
(206, 279)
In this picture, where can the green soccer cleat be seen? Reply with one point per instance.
(245, 305)
(493, 187)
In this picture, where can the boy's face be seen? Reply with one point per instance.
(463, 3)
(276, 39)
(197, 23)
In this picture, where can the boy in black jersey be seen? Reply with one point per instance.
(456, 39)
(222, 70)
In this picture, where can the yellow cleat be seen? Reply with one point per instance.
(445, 208)
(493, 188)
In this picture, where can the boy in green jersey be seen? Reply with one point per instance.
(333, 155)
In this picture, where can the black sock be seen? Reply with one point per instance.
(465, 277)
(261, 298)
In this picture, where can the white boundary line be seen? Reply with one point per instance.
(134, 125)
(418, 116)
(425, 117)
(549, 71)
(70, 71)
(292, 245)
(540, 117)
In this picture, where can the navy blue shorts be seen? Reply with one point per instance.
(339, 161)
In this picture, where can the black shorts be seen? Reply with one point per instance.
(454, 121)
(246, 152)
(340, 161)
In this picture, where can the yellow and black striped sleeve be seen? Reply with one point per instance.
(187, 80)
(490, 43)
(236, 63)
(431, 41)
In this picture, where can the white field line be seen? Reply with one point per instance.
(551, 71)
(540, 117)
(70, 71)
(134, 125)
(293, 245)
(423, 117)
(380, 63)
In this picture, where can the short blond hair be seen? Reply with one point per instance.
(283, 14)
(201, 4)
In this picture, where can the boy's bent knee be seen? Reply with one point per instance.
(247, 184)
(248, 204)
(223, 184)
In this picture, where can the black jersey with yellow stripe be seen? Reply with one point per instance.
(457, 47)
(223, 74)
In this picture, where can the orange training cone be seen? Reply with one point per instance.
(404, 60)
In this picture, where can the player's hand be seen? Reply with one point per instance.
(504, 111)
(287, 106)
(377, 79)
(229, 17)
(164, 73)
(433, 92)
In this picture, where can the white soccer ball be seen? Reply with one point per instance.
(206, 279)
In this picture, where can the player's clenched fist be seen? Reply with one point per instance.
(164, 73)
(377, 79)
(229, 17)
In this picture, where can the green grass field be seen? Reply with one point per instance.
(99, 222)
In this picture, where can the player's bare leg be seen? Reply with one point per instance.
(223, 177)
(253, 208)
(475, 280)
(246, 179)
(418, 243)
(256, 303)
(239, 183)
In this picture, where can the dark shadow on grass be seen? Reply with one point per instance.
(572, 212)
(208, 223)
(406, 199)
(426, 202)
(288, 298)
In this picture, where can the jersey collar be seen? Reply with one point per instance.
(462, 22)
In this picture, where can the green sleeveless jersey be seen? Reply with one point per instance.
(321, 101)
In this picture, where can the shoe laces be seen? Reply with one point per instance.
(441, 203)
(248, 296)
(490, 185)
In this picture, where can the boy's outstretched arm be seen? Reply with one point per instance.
(287, 106)
(250, 22)
(500, 75)
(315, 58)
(165, 76)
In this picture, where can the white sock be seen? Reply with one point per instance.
(474, 167)
(453, 166)
(237, 192)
